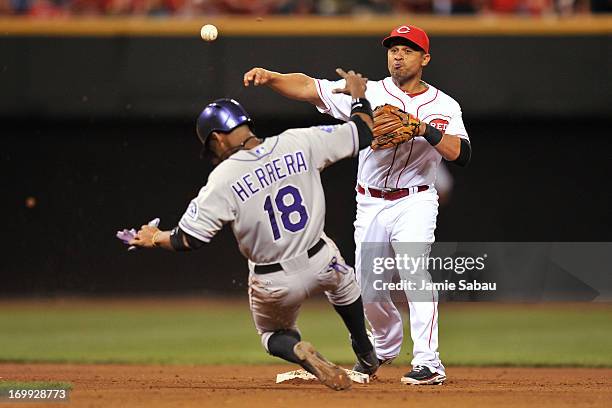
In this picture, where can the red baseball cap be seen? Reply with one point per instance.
(411, 33)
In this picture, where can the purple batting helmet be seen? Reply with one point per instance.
(222, 115)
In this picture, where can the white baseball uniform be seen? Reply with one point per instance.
(273, 198)
(408, 219)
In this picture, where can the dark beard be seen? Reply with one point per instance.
(401, 79)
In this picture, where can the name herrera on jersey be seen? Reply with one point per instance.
(269, 173)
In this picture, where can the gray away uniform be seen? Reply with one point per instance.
(273, 198)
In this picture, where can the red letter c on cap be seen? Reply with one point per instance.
(403, 30)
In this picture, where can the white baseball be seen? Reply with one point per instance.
(209, 32)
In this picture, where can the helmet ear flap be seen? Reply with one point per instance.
(203, 140)
(206, 151)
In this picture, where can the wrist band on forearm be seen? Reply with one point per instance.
(432, 135)
(361, 105)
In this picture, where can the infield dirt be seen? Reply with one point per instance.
(254, 386)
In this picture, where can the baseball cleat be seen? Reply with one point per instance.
(367, 363)
(421, 375)
(327, 372)
(361, 369)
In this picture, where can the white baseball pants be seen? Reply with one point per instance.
(409, 219)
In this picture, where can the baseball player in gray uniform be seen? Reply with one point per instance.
(270, 192)
(396, 198)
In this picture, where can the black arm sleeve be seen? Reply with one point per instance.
(178, 238)
(465, 154)
(362, 105)
(364, 132)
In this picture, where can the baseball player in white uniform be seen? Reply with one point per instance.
(270, 192)
(396, 198)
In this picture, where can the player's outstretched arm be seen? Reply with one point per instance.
(297, 86)
(150, 237)
(175, 240)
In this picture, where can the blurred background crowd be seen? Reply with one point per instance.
(58, 8)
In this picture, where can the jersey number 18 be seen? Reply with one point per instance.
(286, 210)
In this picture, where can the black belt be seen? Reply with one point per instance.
(276, 267)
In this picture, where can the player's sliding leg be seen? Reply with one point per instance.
(327, 372)
(353, 318)
(275, 313)
(287, 345)
(281, 344)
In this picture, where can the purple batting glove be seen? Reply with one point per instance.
(127, 235)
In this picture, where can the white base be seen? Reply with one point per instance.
(305, 375)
